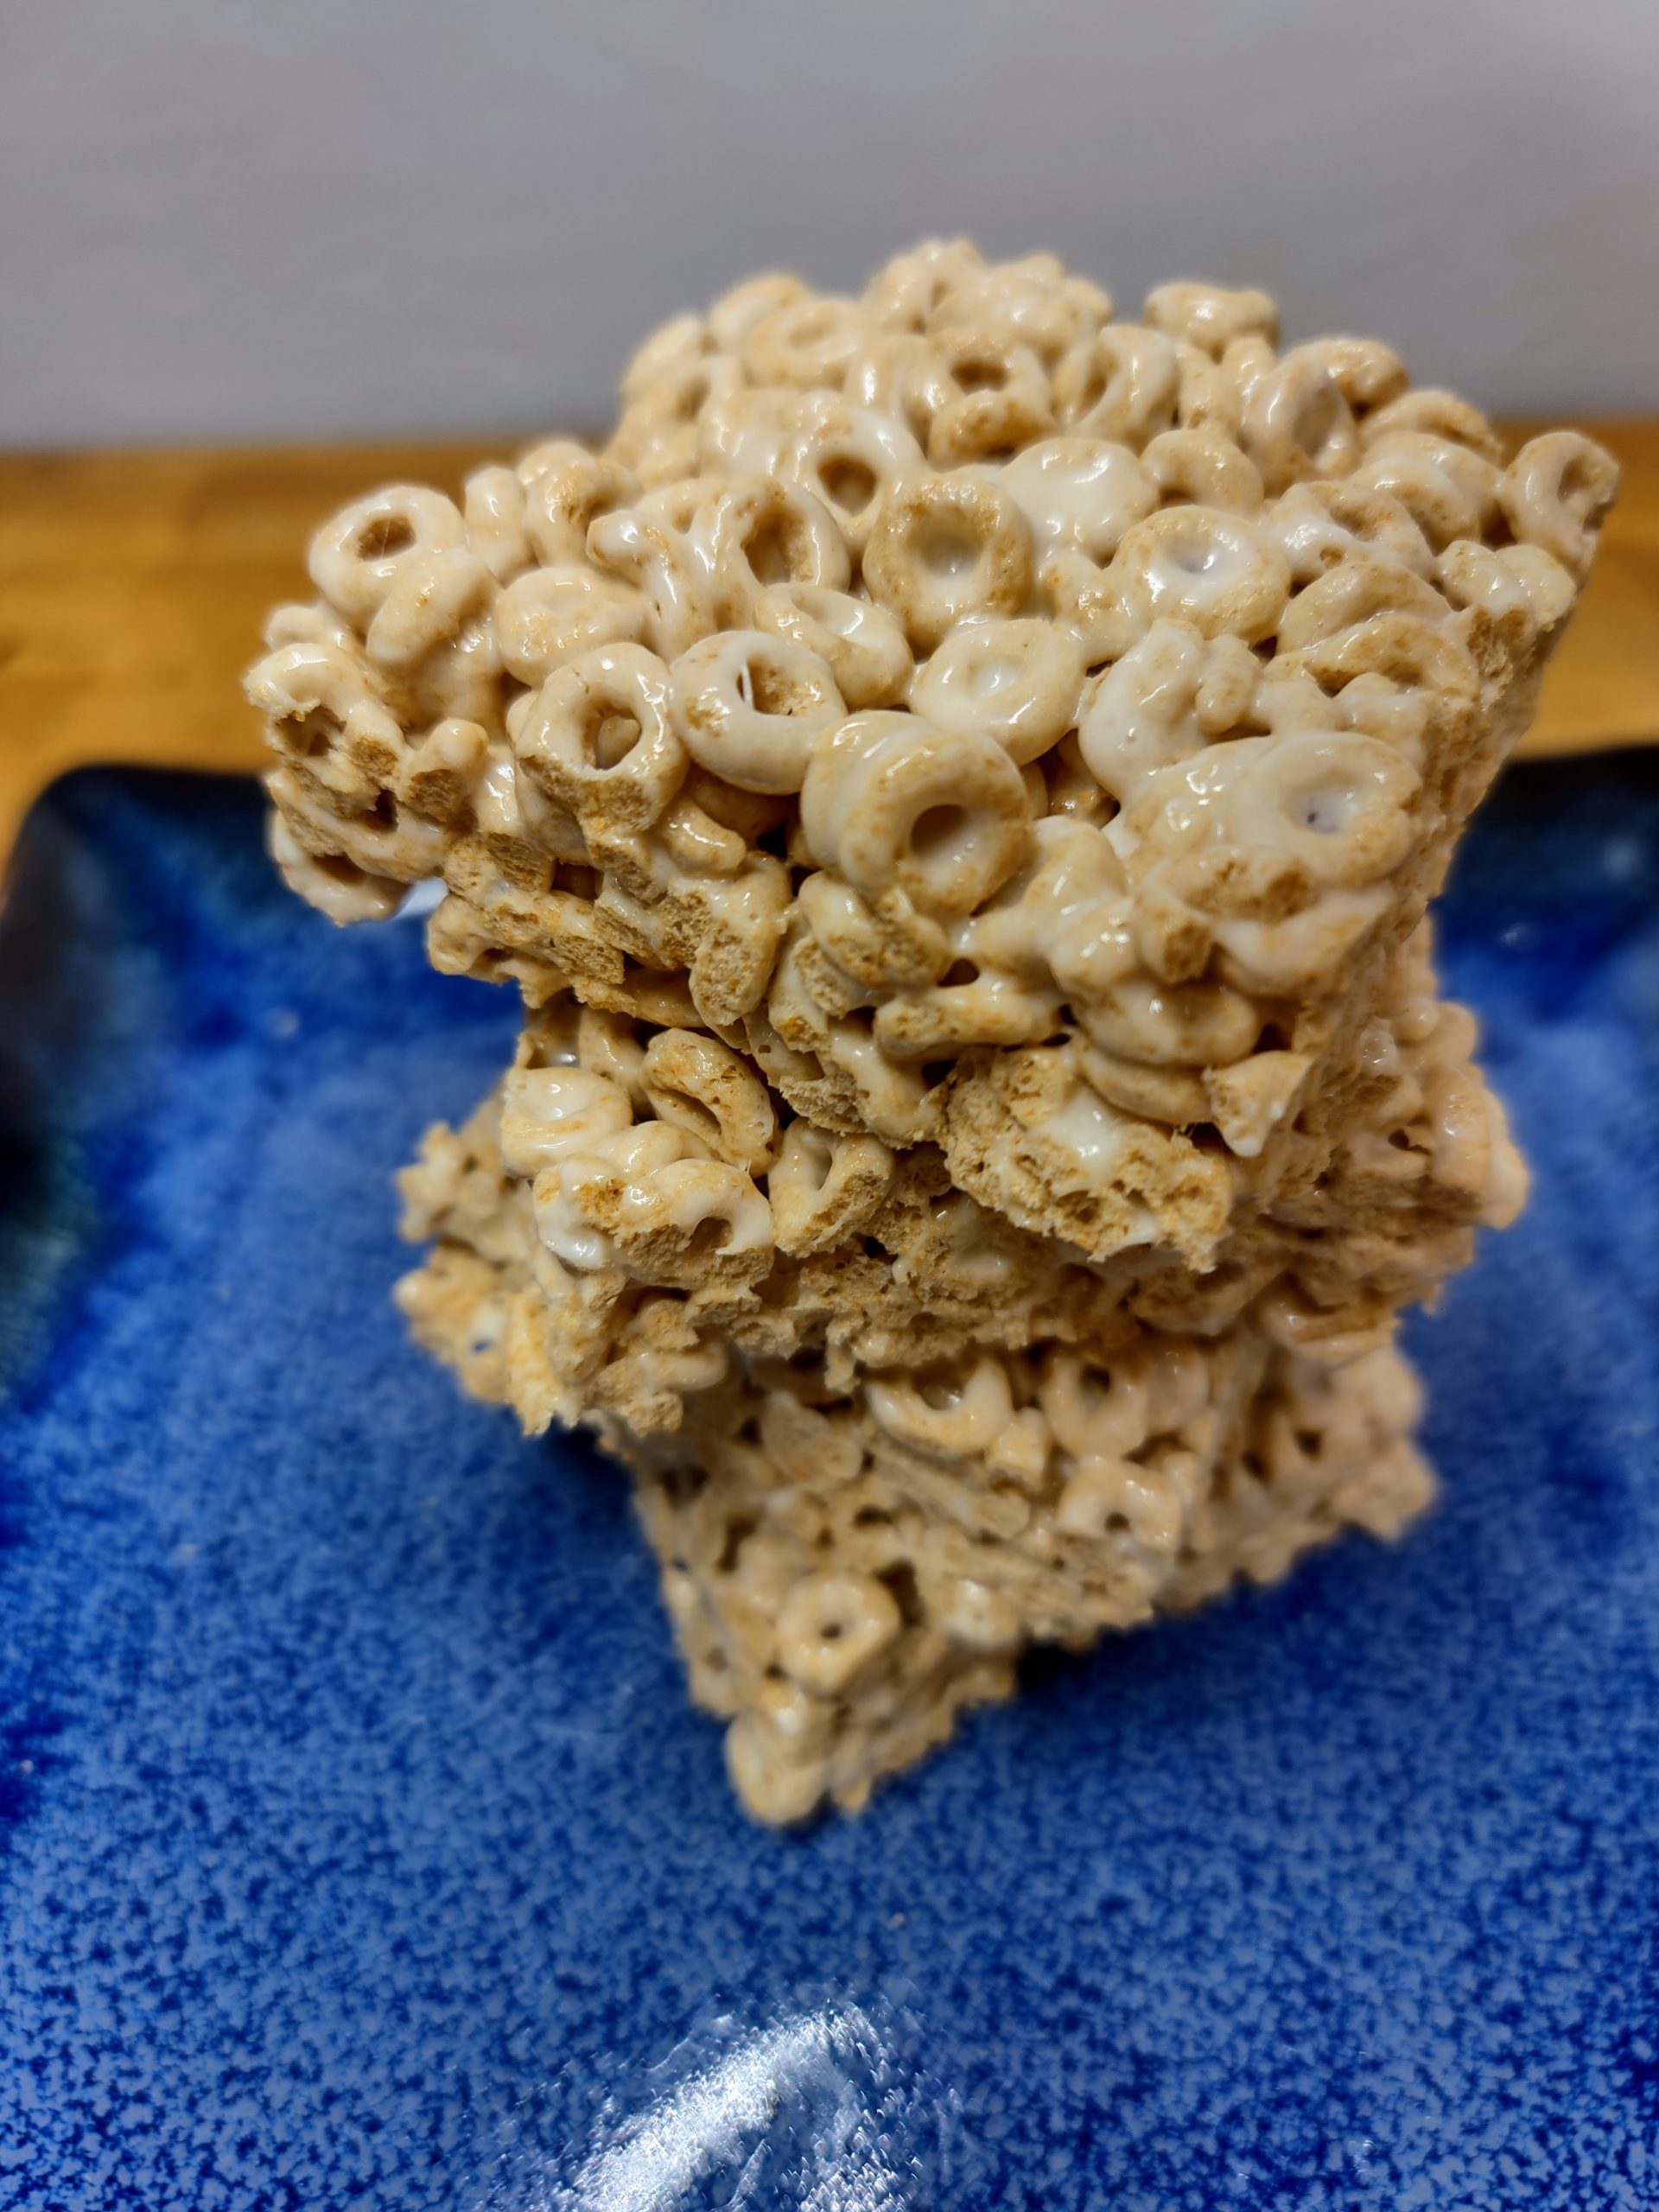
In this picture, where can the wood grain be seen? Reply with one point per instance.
(132, 586)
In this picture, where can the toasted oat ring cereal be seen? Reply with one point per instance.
(1556, 491)
(982, 398)
(942, 549)
(1210, 318)
(565, 488)
(661, 562)
(1335, 801)
(891, 804)
(947, 1415)
(545, 617)
(1016, 680)
(761, 531)
(749, 705)
(356, 558)
(1081, 492)
(823, 1188)
(1120, 384)
(803, 343)
(701, 1085)
(847, 457)
(1203, 468)
(598, 737)
(1204, 565)
(1298, 423)
(955, 779)
(858, 642)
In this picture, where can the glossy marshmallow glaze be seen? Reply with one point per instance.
(957, 780)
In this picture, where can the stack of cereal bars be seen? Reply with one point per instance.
(957, 780)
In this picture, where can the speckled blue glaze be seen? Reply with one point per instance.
(357, 1846)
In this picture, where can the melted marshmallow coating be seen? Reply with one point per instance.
(957, 778)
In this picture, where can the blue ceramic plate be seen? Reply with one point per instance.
(357, 1844)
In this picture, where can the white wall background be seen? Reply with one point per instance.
(243, 218)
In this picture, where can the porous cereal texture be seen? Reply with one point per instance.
(957, 779)
(865, 1392)
(653, 1223)
(847, 1566)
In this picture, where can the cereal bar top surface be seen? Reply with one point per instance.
(917, 681)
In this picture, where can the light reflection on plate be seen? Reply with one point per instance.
(827, 2108)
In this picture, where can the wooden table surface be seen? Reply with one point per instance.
(132, 586)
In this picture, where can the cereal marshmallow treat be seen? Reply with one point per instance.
(957, 780)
